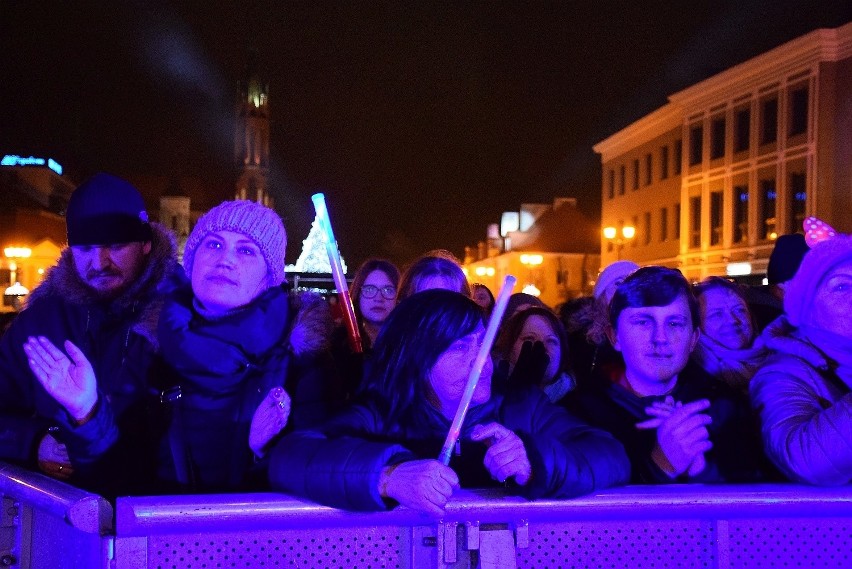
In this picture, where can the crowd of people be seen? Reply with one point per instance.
(131, 373)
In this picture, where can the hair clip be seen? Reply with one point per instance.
(816, 231)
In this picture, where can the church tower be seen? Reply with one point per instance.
(251, 137)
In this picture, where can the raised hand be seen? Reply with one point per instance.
(268, 420)
(70, 379)
(682, 437)
(53, 458)
(424, 485)
(506, 456)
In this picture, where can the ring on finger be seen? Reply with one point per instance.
(282, 405)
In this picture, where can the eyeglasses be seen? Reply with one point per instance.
(369, 291)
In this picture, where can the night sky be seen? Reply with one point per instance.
(421, 121)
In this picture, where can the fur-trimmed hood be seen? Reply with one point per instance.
(141, 303)
(312, 323)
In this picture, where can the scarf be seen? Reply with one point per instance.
(216, 356)
(734, 367)
(837, 348)
(560, 387)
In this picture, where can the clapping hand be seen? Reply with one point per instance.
(682, 436)
(69, 379)
(506, 456)
(268, 420)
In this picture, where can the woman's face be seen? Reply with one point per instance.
(228, 272)
(376, 309)
(538, 329)
(725, 318)
(831, 309)
(448, 377)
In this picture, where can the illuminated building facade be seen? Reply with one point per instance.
(552, 249)
(34, 194)
(712, 178)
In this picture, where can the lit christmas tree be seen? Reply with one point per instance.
(314, 257)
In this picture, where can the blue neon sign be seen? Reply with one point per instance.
(15, 160)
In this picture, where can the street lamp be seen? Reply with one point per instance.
(531, 261)
(628, 232)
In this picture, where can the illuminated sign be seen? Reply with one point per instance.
(15, 160)
(738, 269)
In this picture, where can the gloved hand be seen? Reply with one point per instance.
(531, 365)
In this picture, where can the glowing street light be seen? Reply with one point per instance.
(628, 232)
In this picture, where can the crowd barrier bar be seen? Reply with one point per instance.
(707, 526)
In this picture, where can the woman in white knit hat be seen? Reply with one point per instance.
(805, 410)
(238, 348)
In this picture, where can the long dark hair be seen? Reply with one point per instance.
(417, 332)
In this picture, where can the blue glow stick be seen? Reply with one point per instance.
(337, 273)
(476, 371)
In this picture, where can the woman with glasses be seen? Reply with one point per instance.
(374, 296)
(373, 291)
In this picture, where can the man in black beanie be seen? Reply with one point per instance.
(92, 320)
(766, 303)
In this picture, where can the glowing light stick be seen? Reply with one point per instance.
(476, 371)
(337, 273)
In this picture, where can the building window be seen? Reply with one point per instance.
(611, 192)
(740, 214)
(636, 174)
(769, 121)
(664, 224)
(799, 111)
(798, 199)
(717, 138)
(649, 169)
(768, 204)
(635, 224)
(647, 237)
(622, 181)
(678, 157)
(664, 162)
(695, 221)
(742, 136)
(716, 217)
(696, 144)
(677, 221)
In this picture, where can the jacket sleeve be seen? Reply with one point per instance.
(568, 457)
(805, 422)
(87, 443)
(21, 429)
(338, 471)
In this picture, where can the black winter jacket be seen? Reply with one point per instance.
(340, 466)
(119, 339)
(225, 367)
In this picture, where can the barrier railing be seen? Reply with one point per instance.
(776, 525)
(50, 524)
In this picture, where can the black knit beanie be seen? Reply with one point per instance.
(106, 210)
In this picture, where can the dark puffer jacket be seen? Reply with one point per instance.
(119, 339)
(225, 367)
(340, 466)
(736, 454)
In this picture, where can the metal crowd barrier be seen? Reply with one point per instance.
(724, 526)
